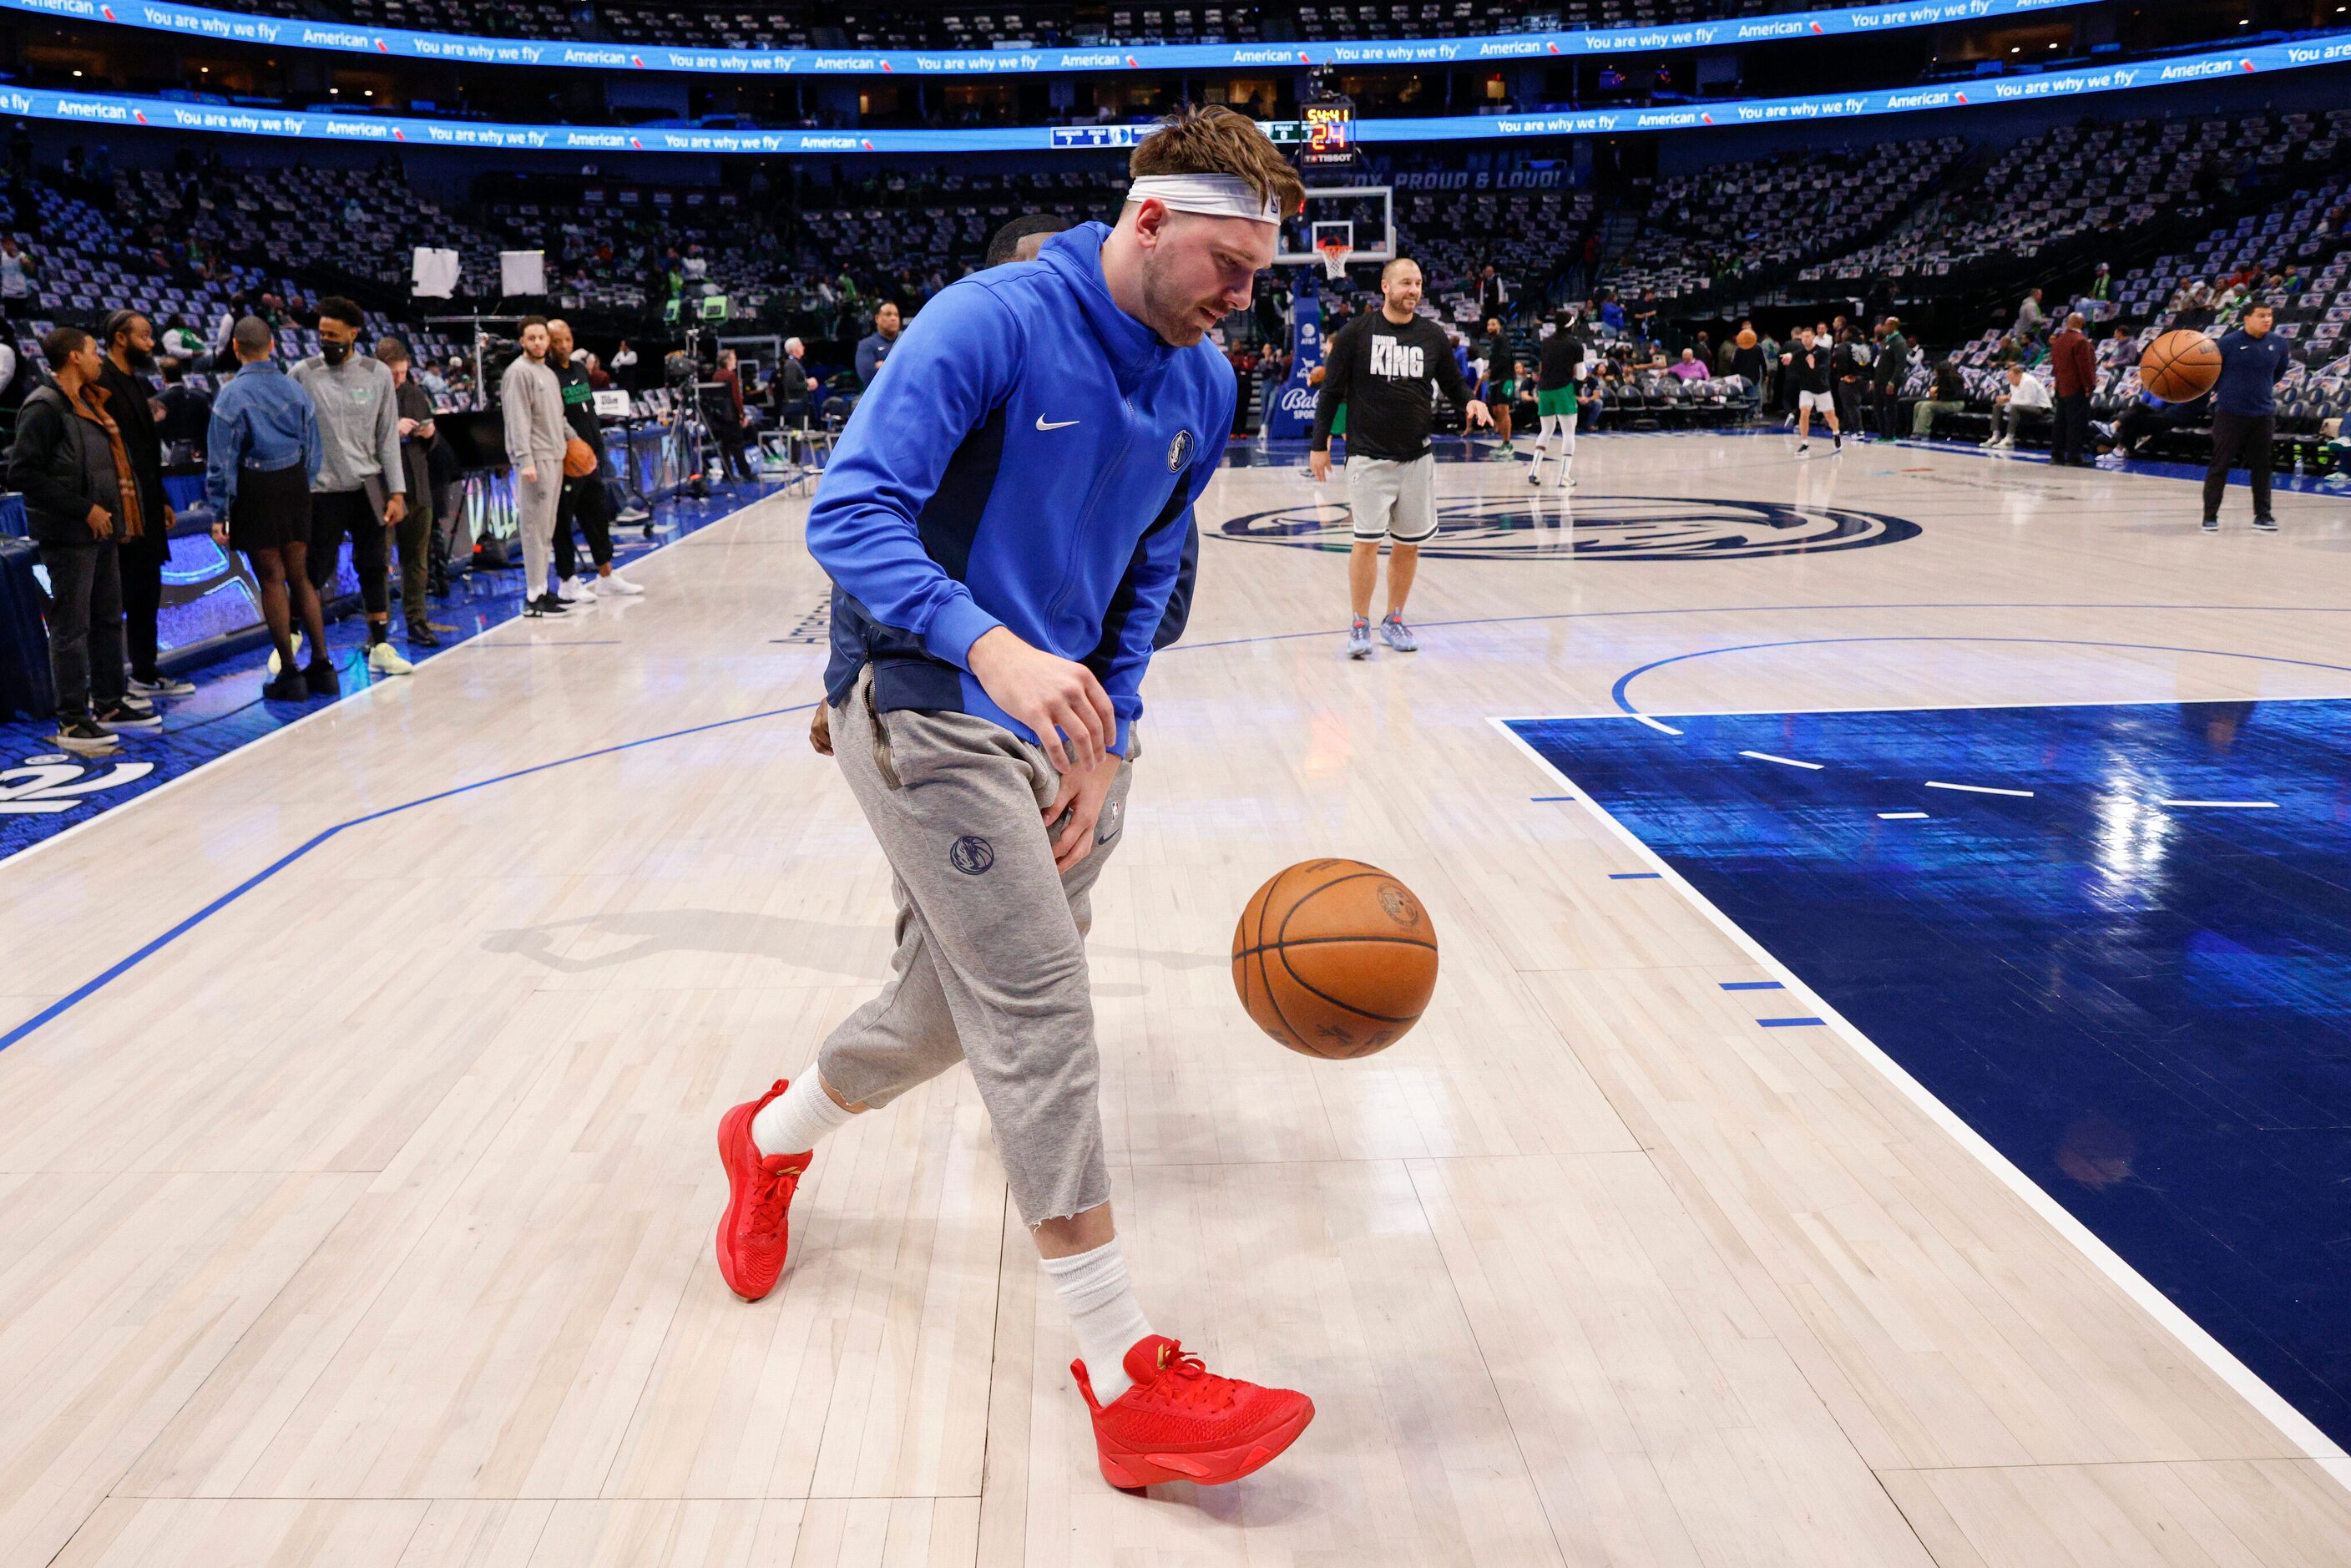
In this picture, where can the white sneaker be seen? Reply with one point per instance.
(575, 591)
(383, 659)
(2005, 442)
(617, 586)
(297, 657)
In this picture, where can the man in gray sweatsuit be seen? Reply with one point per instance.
(532, 400)
(362, 488)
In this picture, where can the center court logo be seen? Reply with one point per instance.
(1598, 528)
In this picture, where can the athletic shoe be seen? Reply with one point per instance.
(1802, 447)
(2211, 525)
(1181, 1422)
(1534, 475)
(287, 686)
(2265, 525)
(128, 714)
(1836, 441)
(322, 679)
(163, 686)
(607, 587)
(1397, 635)
(574, 591)
(755, 1230)
(421, 635)
(631, 515)
(545, 604)
(84, 738)
(2006, 442)
(383, 659)
(298, 655)
(1359, 640)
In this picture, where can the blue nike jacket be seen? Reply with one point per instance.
(1027, 457)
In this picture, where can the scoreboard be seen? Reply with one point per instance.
(1328, 145)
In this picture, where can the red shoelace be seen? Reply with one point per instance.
(770, 1197)
(1184, 1380)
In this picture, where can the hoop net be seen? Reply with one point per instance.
(1334, 253)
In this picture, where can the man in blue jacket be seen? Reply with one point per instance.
(2244, 414)
(1004, 523)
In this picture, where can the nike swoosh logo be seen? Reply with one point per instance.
(1056, 425)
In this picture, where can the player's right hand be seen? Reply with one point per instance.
(1055, 697)
(1319, 465)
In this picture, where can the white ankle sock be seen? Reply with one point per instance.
(799, 1117)
(1099, 1298)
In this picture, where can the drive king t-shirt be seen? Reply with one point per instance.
(1382, 372)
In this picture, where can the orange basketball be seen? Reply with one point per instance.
(1746, 339)
(1334, 959)
(579, 459)
(2180, 367)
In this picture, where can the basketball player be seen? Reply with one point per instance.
(1562, 367)
(1004, 522)
(1807, 373)
(1381, 366)
(1022, 237)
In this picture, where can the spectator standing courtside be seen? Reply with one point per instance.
(361, 490)
(187, 415)
(532, 403)
(2244, 414)
(130, 341)
(80, 501)
(874, 349)
(724, 409)
(586, 502)
(1888, 374)
(264, 453)
(2073, 366)
(416, 532)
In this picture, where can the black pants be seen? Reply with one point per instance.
(583, 501)
(85, 625)
(1848, 407)
(140, 563)
(2069, 438)
(335, 513)
(731, 437)
(2235, 436)
(1889, 414)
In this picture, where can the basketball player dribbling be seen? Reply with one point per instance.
(1005, 522)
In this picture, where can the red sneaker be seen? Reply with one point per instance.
(1181, 1422)
(758, 1223)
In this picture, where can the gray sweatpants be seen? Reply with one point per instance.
(992, 960)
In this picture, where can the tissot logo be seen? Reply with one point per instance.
(1598, 528)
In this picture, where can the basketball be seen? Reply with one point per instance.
(2180, 367)
(1746, 339)
(1334, 959)
(579, 459)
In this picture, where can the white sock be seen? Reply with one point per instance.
(1099, 1298)
(797, 1118)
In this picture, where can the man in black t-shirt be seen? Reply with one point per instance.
(1380, 366)
(584, 501)
(1807, 364)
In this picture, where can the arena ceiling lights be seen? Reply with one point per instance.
(170, 114)
(284, 32)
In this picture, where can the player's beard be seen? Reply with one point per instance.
(1179, 317)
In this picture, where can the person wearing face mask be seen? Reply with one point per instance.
(129, 340)
(362, 487)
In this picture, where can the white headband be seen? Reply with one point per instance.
(1218, 195)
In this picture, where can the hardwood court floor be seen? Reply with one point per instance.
(366, 1221)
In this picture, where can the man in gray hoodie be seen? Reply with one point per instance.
(532, 400)
(362, 487)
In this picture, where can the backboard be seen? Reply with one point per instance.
(1369, 210)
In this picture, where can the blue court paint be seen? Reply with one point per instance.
(1632, 876)
(2142, 1007)
(1752, 985)
(1549, 799)
(1787, 1023)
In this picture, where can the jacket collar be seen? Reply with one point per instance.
(258, 368)
(1132, 348)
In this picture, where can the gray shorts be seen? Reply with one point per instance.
(990, 967)
(1393, 500)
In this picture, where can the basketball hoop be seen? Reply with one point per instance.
(1334, 253)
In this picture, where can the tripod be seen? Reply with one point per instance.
(681, 465)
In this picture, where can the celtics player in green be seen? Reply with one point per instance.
(1563, 367)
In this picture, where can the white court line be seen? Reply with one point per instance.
(9, 862)
(2226, 805)
(1653, 724)
(1978, 789)
(1783, 761)
(2291, 1423)
(2171, 701)
(1900, 816)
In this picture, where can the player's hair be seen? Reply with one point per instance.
(392, 350)
(528, 322)
(252, 335)
(1211, 139)
(1005, 241)
(60, 344)
(335, 308)
(1393, 263)
(118, 324)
